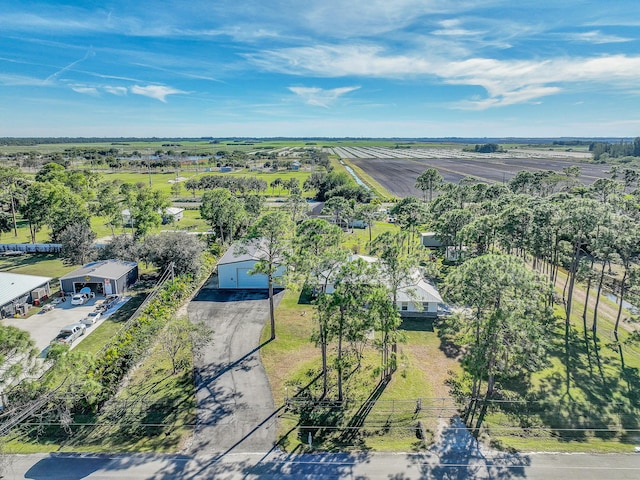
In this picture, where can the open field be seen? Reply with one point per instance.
(398, 175)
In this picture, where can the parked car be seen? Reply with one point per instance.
(92, 318)
(70, 333)
(111, 300)
(78, 299)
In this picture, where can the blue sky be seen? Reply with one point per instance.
(365, 68)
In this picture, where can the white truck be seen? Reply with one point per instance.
(70, 333)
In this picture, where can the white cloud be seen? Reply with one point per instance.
(120, 91)
(159, 92)
(506, 81)
(597, 37)
(320, 97)
(19, 80)
(453, 28)
(509, 98)
(86, 90)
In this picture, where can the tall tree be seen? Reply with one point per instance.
(505, 333)
(18, 354)
(411, 213)
(369, 213)
(146, 210)
(627, 248)
(297, 207)
(77, 244)
(12, 192)
(317, 258)
(428, 181)
(270, 235)
(347, 316)
(179, 248)
(340, 208)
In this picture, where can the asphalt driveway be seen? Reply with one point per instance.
(235, 406)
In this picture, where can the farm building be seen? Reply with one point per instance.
(429, 240)
(235, 266)
(17, 292)
(415, 297)
(104, 277)
(172, 214)
(169, 215)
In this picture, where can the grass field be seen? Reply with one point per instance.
(391, 419)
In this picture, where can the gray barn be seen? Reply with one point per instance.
(104, 277)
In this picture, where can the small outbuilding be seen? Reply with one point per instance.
(236, 265)
(169, 215)
(172, 214)
(18, 292)
(103, 277)
(429, 240)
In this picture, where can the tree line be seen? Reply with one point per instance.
(547, 221)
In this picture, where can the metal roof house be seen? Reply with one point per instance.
(16, 291)
(105, 277)
(236, 264)
(415, 297)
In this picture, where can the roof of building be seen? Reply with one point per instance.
(414, 289)
(112, 269)
(243, 252)
(173, 210)
(418, 290)
(169, 211)
(13, 285)
(240, 253)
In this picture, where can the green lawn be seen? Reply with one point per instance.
(591, 406)
(293, 364)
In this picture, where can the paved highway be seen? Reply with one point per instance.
(361, 466)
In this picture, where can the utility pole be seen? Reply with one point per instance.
(149, 168)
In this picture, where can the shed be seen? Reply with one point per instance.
(16, 292)
(236, 265)
(429, 240)
(104, 277)
(169, 215)
(172, 214)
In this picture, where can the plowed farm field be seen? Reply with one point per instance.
(398, 175)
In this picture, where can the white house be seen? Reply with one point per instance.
(236, 265)
(418, 296)
(415, 296)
